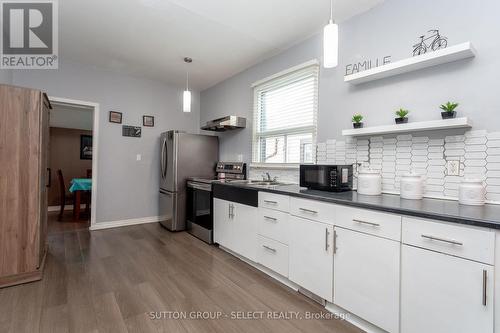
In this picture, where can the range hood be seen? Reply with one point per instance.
(225, 124)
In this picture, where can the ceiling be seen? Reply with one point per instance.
(150, 38)
(75, 117)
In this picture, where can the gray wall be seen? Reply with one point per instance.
(6, 76)
(127, 188)
(389, 29)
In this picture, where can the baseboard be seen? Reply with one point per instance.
(124, 223)
(67, 207)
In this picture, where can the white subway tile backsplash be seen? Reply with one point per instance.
(454, 145)
(493, 197)
(475, 155)
(455, 138)
(476, 141)
(390, 141)
(475, 163)
(436, 175)
(401, 155)
(420, 139)
(493, 143)
(493, 189)
(404, 144)
(454, 152)
(435, 181)
(493, 181)
(436, 142)
(435, 156)
(418, 158)
(493, 151)
(436, 168)
(436, 162)
(403, 149)
(475, 148)
(419, 152)
(476, 133)
(435, 149)
(493, 166)
(494, 136)
(493, 159)
(421, 165)
(389, 152)
(477, 151)
(404, 137)
(451, 193)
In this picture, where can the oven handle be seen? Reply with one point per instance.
(198, 186)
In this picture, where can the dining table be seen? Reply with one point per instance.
(79, 185)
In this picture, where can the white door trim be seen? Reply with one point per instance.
(95, 145)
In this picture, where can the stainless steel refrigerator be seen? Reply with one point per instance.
(183, 155)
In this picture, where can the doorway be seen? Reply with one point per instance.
(74, 129)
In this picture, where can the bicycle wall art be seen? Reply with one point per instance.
(433, 42)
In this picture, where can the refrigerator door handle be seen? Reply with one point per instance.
(163, 148)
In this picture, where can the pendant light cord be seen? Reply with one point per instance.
(187, 80)
(331, 10)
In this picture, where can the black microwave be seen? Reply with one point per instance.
(333, 178)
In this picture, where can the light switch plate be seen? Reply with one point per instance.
(453, 168)
(138, 157)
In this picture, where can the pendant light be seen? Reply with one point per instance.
(331, 42)
(186, 96)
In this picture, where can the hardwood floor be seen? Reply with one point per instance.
(110, 281)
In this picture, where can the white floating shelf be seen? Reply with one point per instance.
(432, 58)
(431, 125)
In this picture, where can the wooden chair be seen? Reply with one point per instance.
(64, 196)
(89, 173)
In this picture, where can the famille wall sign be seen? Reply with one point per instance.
(366, 64)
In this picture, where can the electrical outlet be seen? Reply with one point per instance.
(453, 168)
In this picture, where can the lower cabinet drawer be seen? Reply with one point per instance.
(274, 224)
(460, 241)
(313, 210)
(273, 255)
(370, 222)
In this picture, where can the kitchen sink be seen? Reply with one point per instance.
(256, 182)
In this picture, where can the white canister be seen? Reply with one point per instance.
(472, 192)
(369, 182)
(412, 186)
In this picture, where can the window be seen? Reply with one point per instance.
(285, 109)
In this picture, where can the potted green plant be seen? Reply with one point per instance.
(448, 110)
(402, 116)
(357, 121)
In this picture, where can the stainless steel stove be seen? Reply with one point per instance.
(199, 212)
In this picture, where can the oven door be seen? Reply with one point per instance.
(200, 210)
(317, 176)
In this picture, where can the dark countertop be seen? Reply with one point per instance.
(487, 216)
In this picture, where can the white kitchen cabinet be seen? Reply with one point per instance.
(244, 230)
(366, 277)
(222, 222)
(442, 293)
(311, 256)
(235, 227)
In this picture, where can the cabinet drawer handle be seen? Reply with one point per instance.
(269, 248)
(271, 218)
(308, 211)
(439, 239)
(270, 202)
(366, 222)
(334, 241)
(326, 239)
(485, 280)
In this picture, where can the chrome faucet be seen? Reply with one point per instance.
(267, 177)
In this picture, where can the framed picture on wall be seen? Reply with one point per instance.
(115, 117)
(85, 147)
(148, 121)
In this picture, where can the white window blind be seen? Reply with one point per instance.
(285, 111)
